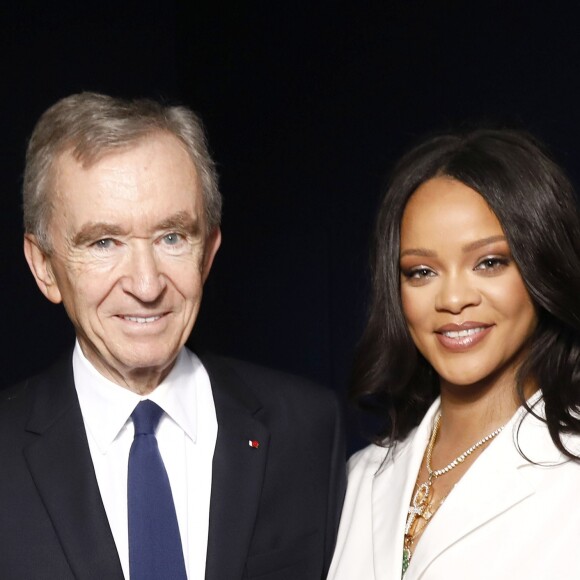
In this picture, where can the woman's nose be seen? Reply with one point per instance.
(456, 292)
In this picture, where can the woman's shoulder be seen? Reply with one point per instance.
(375, 456)
(366, 458)
(367, 462)
(361, 470)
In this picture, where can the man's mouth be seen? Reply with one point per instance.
(142, 319)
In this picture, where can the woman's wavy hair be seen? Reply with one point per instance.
(535, 205)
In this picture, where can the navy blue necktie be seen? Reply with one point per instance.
(155, 551)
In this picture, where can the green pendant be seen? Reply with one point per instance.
(406, 560)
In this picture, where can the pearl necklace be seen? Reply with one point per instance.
(421, 504)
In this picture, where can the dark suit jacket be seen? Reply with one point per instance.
(274, 510)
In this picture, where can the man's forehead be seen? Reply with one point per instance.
(160, 157)
(154, 178)
(86, 154)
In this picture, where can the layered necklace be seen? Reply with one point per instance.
(421, 507)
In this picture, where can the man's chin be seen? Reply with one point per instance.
(138, 370)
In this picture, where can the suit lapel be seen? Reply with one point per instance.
(238, 472)
(59, 461)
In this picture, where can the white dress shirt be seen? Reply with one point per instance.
(186, 435)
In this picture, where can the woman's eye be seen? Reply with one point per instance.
(418, 273)
(492, 263)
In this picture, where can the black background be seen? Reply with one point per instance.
(307, 105)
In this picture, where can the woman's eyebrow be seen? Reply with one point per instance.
(424, 252)
(419, 252)
(483, 242)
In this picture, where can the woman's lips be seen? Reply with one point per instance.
(460, 338)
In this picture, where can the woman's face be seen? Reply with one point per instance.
(464, 300)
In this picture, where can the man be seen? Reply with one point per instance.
(243, 473)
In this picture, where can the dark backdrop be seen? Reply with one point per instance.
(307, 105)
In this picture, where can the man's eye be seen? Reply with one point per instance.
(104, 244)
(172, 239)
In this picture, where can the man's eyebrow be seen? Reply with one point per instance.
(181, 220)
(93, 231)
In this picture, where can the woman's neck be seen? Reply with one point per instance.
(470, 412)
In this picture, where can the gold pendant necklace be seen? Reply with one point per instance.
(421, 506)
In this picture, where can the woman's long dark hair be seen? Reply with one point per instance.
(535, 205)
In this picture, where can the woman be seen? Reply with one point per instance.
(472, 353)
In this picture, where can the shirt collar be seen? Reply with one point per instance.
(106, 407)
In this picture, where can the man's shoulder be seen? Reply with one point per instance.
(15, 405)
(14, 392)
(49, 383)
(267, 384)
(260, 373)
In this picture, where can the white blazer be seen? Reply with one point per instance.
(506, 519)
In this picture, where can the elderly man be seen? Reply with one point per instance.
(133, 457)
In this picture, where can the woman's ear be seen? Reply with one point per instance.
(41, 268)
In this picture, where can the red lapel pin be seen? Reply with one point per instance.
(254, 444)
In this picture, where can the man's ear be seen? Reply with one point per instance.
(212, 244)
(41, 268)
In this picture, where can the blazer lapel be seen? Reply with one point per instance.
(59, 461)
(391, 494)
(238, 472)
(496, 481)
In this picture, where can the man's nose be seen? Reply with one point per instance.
(457, 292)
(143, 277)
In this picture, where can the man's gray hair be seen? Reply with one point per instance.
(91, 125)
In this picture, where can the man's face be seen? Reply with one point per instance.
(130, 256)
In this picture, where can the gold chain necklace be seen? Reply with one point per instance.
(421, 506)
